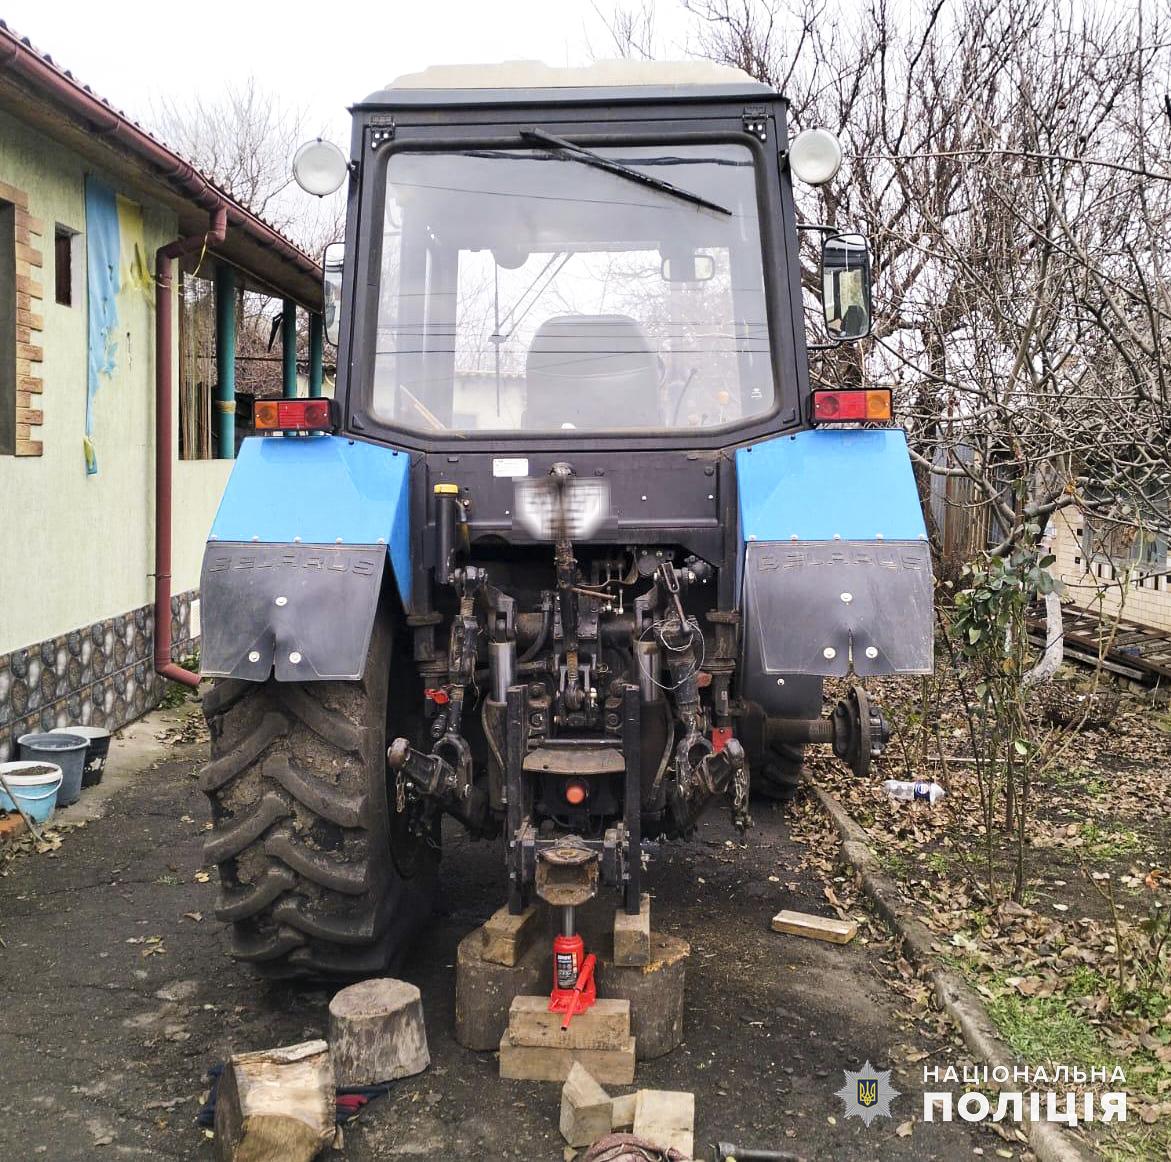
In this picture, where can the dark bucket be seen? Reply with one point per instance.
(99, 749)
(64, 750)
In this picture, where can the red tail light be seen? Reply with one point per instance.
(855, 405)
(576, 792)
(292, 415)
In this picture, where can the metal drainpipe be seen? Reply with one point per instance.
(316, 354)
(289, 349)
(164, 429)
(225, 359)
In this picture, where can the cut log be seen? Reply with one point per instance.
(585, 1108)
(376, 1032)
(815, 927)
(655, 993)
(275, 1105)
(484, 990)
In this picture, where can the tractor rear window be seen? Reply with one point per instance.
(530, 291)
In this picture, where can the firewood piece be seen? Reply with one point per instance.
(585, 1108)
(376, 1032)
(275, 1105)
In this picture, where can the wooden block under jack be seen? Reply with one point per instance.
(632, 935)
(550, 1063)
(815, 927)
(585, 1108)
(507, 937)
(666, 1118)
(605, 1025)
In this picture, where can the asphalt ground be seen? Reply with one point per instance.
(118, 995)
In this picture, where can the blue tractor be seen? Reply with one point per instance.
(571, 552)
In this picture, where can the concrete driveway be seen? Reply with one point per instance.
(118, 996)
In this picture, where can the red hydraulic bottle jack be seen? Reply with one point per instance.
(574, 989)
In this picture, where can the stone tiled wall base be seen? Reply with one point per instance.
(102, 675)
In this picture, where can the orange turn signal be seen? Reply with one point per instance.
(576, 793)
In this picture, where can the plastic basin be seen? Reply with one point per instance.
(95, 757)
(66, 751)
(35, 786)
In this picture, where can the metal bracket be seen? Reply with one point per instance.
(381, 134)
(755, 121)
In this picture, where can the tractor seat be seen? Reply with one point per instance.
(592, 372)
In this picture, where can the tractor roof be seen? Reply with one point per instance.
(531, 82)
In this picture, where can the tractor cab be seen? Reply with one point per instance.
(576, 545)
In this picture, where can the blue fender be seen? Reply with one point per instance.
(295, 561)
(836, 568)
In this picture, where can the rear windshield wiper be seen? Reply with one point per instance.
(589, 157)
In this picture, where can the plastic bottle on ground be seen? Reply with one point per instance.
(918, 792)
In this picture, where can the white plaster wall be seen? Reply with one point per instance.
(76, 549)
(1143, 599)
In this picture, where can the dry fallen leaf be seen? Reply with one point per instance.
(904, 1131)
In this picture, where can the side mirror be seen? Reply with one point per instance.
(845, 286)
(688, 267)
(331, 266)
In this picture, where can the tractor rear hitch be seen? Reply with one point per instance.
(700, 780)
(446, 783)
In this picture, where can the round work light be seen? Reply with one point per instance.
(815, 156)
(320, 167)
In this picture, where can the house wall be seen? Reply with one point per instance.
(1099, 585)
(77, 553)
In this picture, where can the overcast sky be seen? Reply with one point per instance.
(320, 55)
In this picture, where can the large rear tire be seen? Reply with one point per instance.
(778, 775)
(319, 876)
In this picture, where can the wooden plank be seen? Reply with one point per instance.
(27, 447)
(546, 1063)
(606, 1025)
(666, 1118)
(815, 927)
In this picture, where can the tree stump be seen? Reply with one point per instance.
(484, 991)
(275, 1105)
(655, 993)
(376, 1032)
